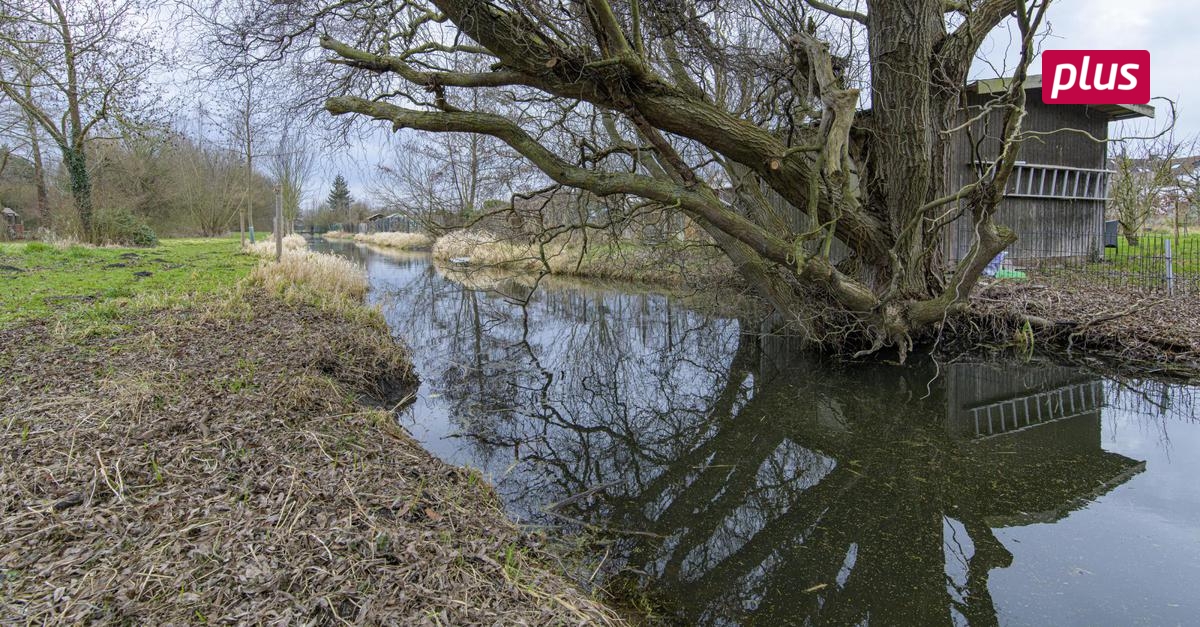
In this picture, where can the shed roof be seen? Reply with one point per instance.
(1034, 81)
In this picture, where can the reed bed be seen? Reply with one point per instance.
(266, 246)
(666, 264)
(402, 241)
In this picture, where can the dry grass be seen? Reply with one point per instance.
(485, 248)
(266, 246)
(303, 272)
(338, 235)
(215, 463)
(402, 241)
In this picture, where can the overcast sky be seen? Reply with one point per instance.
(1169, 29)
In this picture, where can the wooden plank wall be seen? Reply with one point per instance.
(1048, 230)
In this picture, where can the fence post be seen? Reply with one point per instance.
(1170, 268)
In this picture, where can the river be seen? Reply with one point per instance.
(741, 482)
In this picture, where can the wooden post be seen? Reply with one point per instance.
(278, 223)
(242, 225)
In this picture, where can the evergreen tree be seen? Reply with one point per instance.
(339, 197)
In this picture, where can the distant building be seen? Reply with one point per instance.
(12, 227)
(1056, 197)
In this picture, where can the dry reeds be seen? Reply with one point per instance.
(402, 241)
(336, 277)
(488, 249)
(266, 246)
(669, 265)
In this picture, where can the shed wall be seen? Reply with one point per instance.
(1048, 229)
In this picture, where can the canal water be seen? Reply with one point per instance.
(741, 482)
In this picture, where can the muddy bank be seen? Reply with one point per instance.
(1121, 330)
(221, 462)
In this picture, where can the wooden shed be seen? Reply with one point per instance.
(1056, 196)
(11, 225)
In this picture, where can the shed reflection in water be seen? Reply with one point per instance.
(751, 486)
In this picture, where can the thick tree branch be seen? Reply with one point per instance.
(700, 203)
(958, 49)
(600, 183)
(380, 63)
(559, 72)
(848, 14)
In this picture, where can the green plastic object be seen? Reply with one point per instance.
(1003, 273)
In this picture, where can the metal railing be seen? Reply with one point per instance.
(1160, 263)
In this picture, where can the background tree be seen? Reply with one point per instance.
(1144, 181)
(1188, 176)
(23, 138)
(74, 68)
(292, 166)
(339, 199)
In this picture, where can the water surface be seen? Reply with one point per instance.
(745, 483)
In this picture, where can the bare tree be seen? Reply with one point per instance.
(1188, 177)
(1145, 177)
(206, 182)
(430, 179)
(74, 67)
(292, 166)
(23, 136)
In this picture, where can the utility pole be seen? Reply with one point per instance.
(278, 222)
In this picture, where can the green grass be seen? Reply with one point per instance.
(93, 285)
(1148, 256)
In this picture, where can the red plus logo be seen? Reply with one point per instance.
(1096, 77)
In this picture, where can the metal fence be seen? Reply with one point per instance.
(1160, 263)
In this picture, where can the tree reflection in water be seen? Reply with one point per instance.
(743, 486)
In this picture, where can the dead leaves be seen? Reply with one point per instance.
(141, 486)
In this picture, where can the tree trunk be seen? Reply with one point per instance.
(75, 159)
(901, 41)
(39, 170)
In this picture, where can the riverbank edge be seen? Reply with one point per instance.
(112, 440)
(680, 266)
(1122, 332)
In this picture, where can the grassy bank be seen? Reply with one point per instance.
(213, 452)
(672, 264)
(40, 281)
